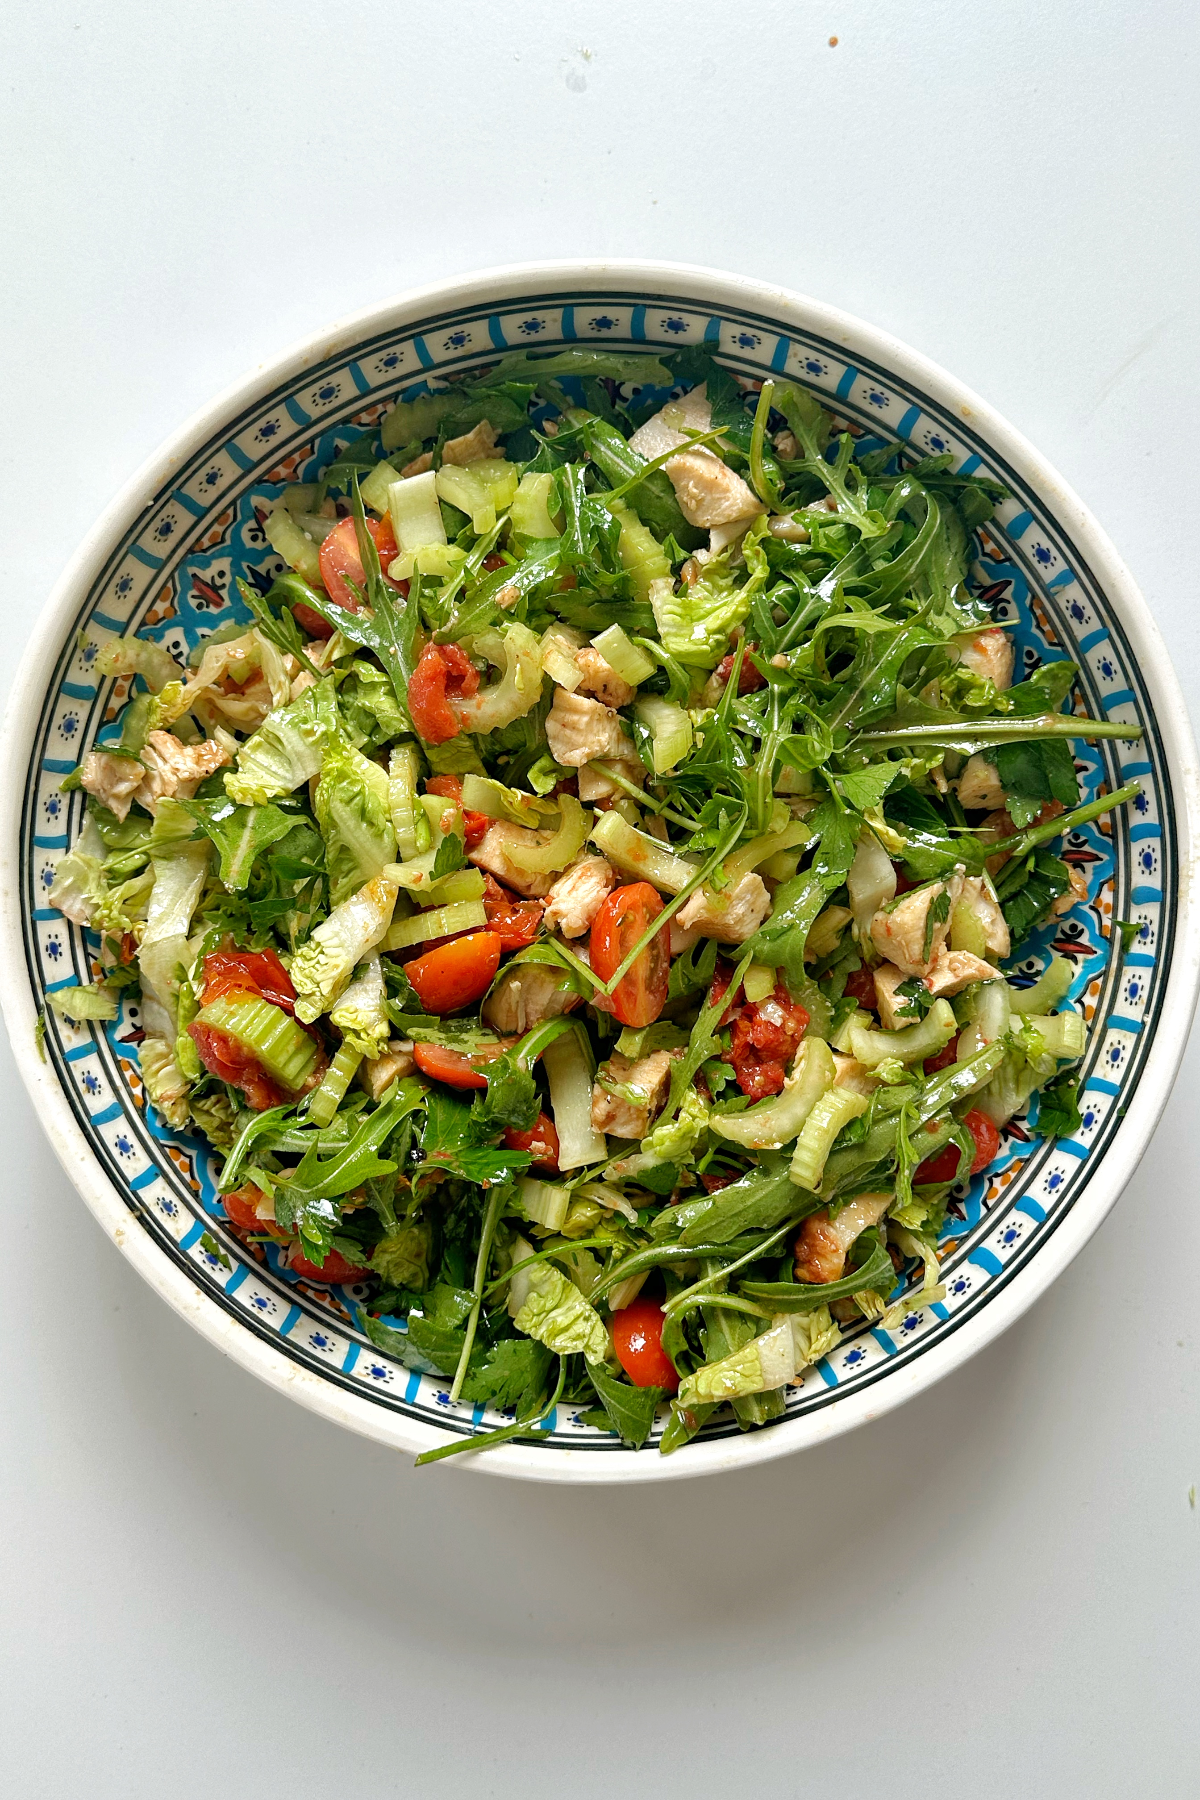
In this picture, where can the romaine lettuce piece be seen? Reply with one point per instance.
(286, 750)
(695, 624)
(322, 967)
(550, 1308)
(167, 1087)
(360, 1015)
(352, 810)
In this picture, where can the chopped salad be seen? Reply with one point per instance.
(575, 898)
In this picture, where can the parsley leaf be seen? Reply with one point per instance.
(630, 1409)
(1058, 1109)
(513, 1373)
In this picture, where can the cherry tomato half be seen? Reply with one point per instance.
(637, 1339)
(333, 1271)
(443, 671)
(861, 988)
(225, 1058)
(516, 922)
(541, 1141)
(449, 787)
(944, 1057)
(257, 972)
(451, 1066)
(341, 564)
(241, 1208)
(459, 973)
(945, 1165)
(639, 996)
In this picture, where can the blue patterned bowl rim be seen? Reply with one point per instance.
(1067, 590)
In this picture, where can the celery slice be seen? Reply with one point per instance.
(832, 1111)
(622, 657)
(415, 513)
(636, 854)
(774, 1122)
(1050, 989)
(544, 1203)
(439, 921)
(337, 1078)
(529, 514)
(670, 731)
(910, 1044)
(640, 552)
(295, 546)
(411, 826)
(375, 486)
(283, 1048)
(568, 1065)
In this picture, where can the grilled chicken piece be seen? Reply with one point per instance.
(648, 1080)
(577, 896)
(979, 785)
(823, 1244)
(907, 935)
(987, 653)
(731, 916)
(579, 729)
(378, 1073)
(492, 853)
(526, 994)
(174, 770)
(601, 679)
(112, 780)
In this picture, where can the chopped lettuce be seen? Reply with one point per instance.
(696, 623)
(323, 966)
(553, 1311)
(361, 1013)
(286, 750)
(353, 812)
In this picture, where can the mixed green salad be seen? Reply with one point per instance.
(575, 899)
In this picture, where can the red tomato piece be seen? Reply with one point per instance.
(541, 1141)
(225, 1058)
(637, 1339)
(449, 787)
(765, 1036)
(945, 1165)
(443, 672)
(516, 922)
(458, 974)
(333, 1271)
(241, 1208)
(944, 1057)
(493, 562)
(451, 1066)
(257, 972)
(749, 678)
(861, 988)
(640, 995)
(341, 563)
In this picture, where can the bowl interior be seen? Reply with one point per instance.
(172, 573)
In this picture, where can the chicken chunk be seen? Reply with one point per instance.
(850, 1073)
(601, 679)
(954, 970)
(112, 780)
(709, 493)
(420, 465)
(913, 929)
(979, 785)
(579, 729)
(788, 446)
(594, 784)
(979, 895)
(731, 916)
(473, 446)
(988, 653)
(892, 1013)
(824, 1243)
(577, 896)
(630, 1113)
(378, 1073)
(493, 853)
(174, 770)
(526, 994)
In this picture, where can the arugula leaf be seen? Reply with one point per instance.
(239, 832)
(630, 1409)
(1058, 1109)
(1044, 692)
(779, 943)
(513, 1373)
(1130, 930)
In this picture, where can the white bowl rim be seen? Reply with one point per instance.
(1120, 1159)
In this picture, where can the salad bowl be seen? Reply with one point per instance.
(166, 559)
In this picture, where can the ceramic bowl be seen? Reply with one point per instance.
(164, 560)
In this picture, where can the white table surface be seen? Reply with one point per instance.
(992, 1592)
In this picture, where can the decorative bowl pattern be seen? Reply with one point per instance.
(165, 562)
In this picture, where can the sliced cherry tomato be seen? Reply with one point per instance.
(449, 787)
(945, 1165)
(452, 1067)
(749, 678)
(637, 1339)
(944, 1057)
(241, 1208)
(341, 564)
(541, 1142)
(333, 1271)
(257, 972)
(225, 1058)
(459, 973)
(493, 562)
(640, 995)
(861, 988)
(516, 922)
(443, 671)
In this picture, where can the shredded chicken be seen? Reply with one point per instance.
(526, 994)
(709, 493)
(789, 527)
(492, 853)
(378, 1073)
(594, 784)
(850, 1073)
(954, 970)
(1078, 890)
(978, 895)
(891, 1011)
(473, 446)
(601, 679)
(174, 770)
(987, 653)
(578, 729)
(420, 465)
(907, 935)
(979, 785)
(731, 916)
(823, 1244)
(787, 445)
(647, 1080)
(112, 780)
(577, 896)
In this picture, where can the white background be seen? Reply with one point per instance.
(995, 1590)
